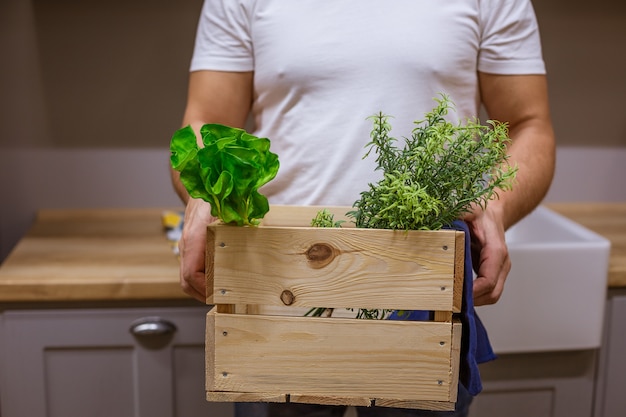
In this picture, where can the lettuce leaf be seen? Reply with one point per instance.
(226, 172)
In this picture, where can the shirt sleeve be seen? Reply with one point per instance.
(223, 40)
(510, 41)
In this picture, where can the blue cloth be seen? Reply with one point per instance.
(475, 345)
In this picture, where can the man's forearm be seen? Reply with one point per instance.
(533, 151)
(180, 189)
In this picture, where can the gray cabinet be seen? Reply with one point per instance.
(580, 383)
(93, 362)
(546, 384)
(611, 387)
(88, 362)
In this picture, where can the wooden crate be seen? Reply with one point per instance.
(261, 280)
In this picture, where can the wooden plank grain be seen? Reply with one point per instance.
(78, 255)
(422, 405)
(330, 267)
(330, 357)
(328, 400)
(459, 271)
(301, 216)
(239, 397)
(285, 266)
(455, 356)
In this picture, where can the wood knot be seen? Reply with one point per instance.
(287, 297)
(320, 255)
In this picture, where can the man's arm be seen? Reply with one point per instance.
(522, 102)
(213, 97)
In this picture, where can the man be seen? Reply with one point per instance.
(310, 72)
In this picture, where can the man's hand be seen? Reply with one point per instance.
(522, 102)
(192, 246)
(490, 254)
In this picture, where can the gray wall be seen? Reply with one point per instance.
(90, 92)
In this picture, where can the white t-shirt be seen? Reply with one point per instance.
(322, 67)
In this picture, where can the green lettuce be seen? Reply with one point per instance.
(227, 172)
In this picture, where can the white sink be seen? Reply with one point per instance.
(555, 295)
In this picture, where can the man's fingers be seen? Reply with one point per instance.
(489, 286)
(192, 247)
(191, 287)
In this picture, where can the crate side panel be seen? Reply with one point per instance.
(209, 344)
(455, 356)
(332, 357)
(459, 271)
(317, 267)
(209, 253)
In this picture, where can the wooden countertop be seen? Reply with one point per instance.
(123, 254)
(85, 255)
(608, 220)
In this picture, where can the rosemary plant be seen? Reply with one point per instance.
(440, 173)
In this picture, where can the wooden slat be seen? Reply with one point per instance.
(209, 354)
(329, 357)
(421, 405)
(330, 400)
(445, 316)
(330, 267)
(459, 271)
(243, 397)
(455, 356)
(435, 405)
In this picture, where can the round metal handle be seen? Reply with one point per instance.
(152, 326)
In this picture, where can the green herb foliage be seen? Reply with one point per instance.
(226, 172)
(325, 218)
(442, 170)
